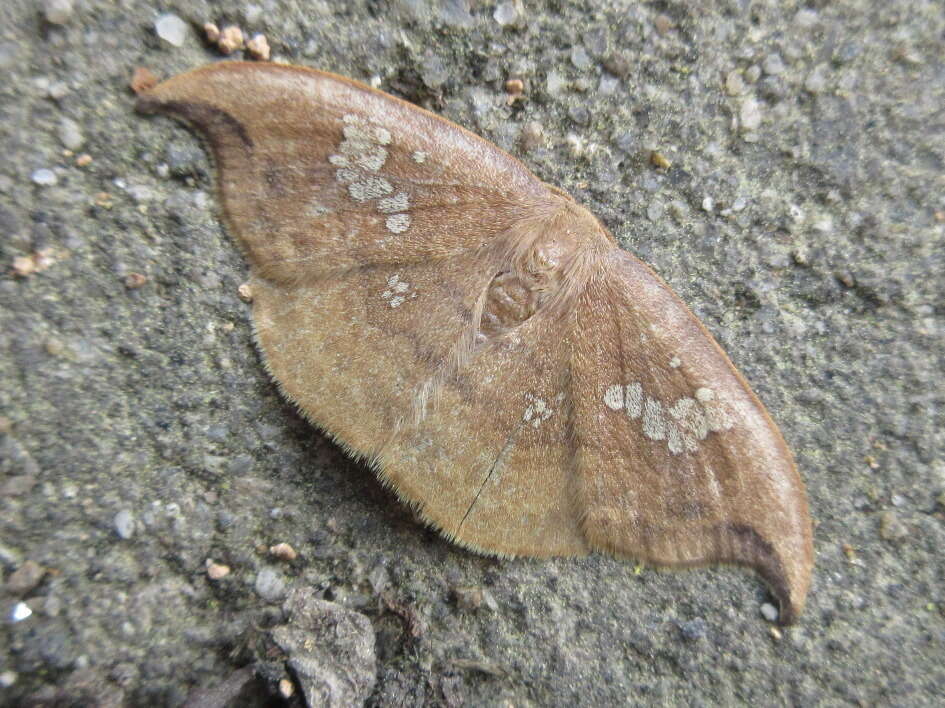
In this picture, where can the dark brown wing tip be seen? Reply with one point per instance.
(784, 566)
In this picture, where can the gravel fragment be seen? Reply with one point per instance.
(258, 47)
(25, 578)
(433, 71)
(124, 523)
(580, 58)
(734, 83)
(773, 65)
(44, 177)
(270, 585)
(217, 571)
(891, 527)
(57, 12)
(70, 135)
(171, 29)
(770, 612)
(283, 551)
(20, 612)
(817, 79)
(330, 649)
(510, 14)
(749, 114)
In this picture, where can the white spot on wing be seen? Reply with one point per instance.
(537, 411)
(419, 157)
(398, 291)
(360, 158)
(398, 223)
(369, 188)
(682, 424)
(613, 397)
(398, 202)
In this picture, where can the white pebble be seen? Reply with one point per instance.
(769, 612)
(773, 64)
(750, 114)
(70, 135)
(509, 14)
(7, 679)
(57, 12)
(270, 585)
(817, 79)
(124, 524)
(44, 177)
(21, 611)
(171, 29)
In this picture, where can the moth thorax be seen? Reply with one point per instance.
(531, 280)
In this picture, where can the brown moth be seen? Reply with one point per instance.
(481, 340)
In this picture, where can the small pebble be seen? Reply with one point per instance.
(749, 114)
(805, 18)
(533, 135)
(515, 87)
(663, 24)
(891, 527)
(231, 39)
(7, 679)
(217, 571)
(708, 204)
(21, 611)
(171, 29)
(283, 551)
(133, 281)
(124, 523)
(580, 58)
(83, 160)
(659, 160)
(57, 12)
(773, 65)
(44, 177)
(70, 135)
(25, 578)
(734, 83)
(817, 79)
(270, 585)
(608, 85)
(286, 688)
(510, 14)
(769, 612)
(211, 32)
(245, 291)
(752, 73)
(258, 47)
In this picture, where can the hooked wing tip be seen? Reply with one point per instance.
(784, 565)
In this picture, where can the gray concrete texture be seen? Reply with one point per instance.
(145, 453)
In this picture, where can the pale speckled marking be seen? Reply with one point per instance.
(398, 202)
(361, 156)
(369, 188)
(675, 362)
(682, 424)
(397, 292)
(537, 411)
(398, 223)
(420, 157)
